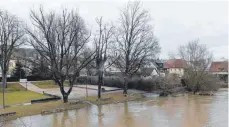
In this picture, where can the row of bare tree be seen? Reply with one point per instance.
(62, 38)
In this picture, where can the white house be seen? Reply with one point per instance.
(175, 66)
(12, 65)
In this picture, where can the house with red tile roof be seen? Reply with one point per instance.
(175, 66)
(219, 67)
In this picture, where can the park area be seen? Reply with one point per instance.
(17, 94)
(18, 98)
(47, 84)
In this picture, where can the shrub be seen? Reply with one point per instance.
(11, 79)
(209, 83)
(37, 78)
(113, 81)
(140, 83)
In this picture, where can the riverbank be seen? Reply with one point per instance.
(182, 111)
(34, 109)
(39, 108)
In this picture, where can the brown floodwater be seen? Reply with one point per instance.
(184, 111)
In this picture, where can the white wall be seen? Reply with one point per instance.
(179, 71)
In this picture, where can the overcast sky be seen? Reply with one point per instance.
(175, 23)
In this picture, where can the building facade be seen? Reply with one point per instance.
(175, 66)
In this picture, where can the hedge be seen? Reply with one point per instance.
(37, 78)
(11, 79)
(147, 84)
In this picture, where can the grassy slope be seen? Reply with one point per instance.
(47, 84)
(115, 98)
(34, 109)
(37, 108)
(16, 94)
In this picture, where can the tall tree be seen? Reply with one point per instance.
(11, 34)
(136, 43)
(60, 39)
(18, 71)
(39, 68)
(198, 58)
(101, 41)
(92, 65)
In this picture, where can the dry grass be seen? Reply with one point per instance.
(34, 109)
(115, 98)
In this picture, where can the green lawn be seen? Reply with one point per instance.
(47, 84)
(12, 87)
(16, 94)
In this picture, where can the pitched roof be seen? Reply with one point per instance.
(147, 71)
(219, 66)
(174, 63)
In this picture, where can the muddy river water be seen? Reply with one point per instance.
(184, 111)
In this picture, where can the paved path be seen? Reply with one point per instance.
(77, 92)
(95, 87)
(32, 87)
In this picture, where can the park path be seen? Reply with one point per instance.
(32, 87)
(78, 91)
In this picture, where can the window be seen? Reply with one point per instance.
(221, 69)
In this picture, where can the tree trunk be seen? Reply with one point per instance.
(65, 98)
(125, 86)
(64, 94)
(3, 89)
(4, 83)
(100, 82)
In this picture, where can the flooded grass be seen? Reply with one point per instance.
(115, 97)
(35, 109)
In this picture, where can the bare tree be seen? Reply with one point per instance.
(92, 65)
(11, 34)
(101, 41)
(198, 59)
(60, 40)
(136, 43)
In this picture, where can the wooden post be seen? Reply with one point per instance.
(86, 91)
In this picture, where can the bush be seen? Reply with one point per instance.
(146, 84)
(113, 81)
(209, 83)
(37, 78)
(11, 79)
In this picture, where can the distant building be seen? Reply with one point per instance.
(219, 68)
(149, 70)
(175, 66)
(12, 65)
